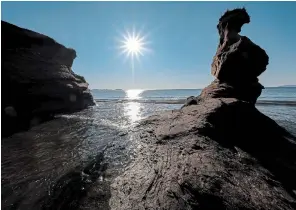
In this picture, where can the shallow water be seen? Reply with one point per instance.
(34, 161)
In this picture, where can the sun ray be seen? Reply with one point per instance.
(133, 45)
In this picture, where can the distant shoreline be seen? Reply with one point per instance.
(287, 86)
(282, 86)
(182, 101)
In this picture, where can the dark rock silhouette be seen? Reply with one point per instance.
(37, 79)
(218, 151)
(238, 61)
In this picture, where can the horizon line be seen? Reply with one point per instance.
(176, 88)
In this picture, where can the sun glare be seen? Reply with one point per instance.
(133, 44)
(134, 93)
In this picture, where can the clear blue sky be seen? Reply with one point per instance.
(183, 38)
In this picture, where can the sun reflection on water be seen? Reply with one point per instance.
(133, 109)
(133, 93)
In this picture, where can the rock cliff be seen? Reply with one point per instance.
(218, 151)
(37, 79)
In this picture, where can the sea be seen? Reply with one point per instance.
(33, 162)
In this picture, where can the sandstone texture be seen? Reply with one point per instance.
(37, 79)
(218, 151)
(219, 154)
(238, 61)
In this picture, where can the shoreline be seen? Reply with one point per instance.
(182, 101)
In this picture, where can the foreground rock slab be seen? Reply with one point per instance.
(219, 154)
(37, 79)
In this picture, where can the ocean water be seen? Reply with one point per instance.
(279, 103)
(34, 161)
(270, 94)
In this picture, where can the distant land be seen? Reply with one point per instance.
(287, 86)
(105, 89)
(281, 86)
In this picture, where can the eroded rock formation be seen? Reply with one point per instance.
(218, 151)
(238, 61)
(37, 79)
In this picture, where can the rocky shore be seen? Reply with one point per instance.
(218, 151)
(37, 79)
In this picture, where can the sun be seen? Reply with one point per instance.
(133, 44)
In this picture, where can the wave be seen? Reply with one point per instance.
(182, 101)
(276, 102)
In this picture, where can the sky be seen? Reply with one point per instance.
(182, 38)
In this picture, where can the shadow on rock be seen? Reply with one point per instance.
(241, 125)
(70, 190)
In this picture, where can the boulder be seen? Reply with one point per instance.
(37, 79)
